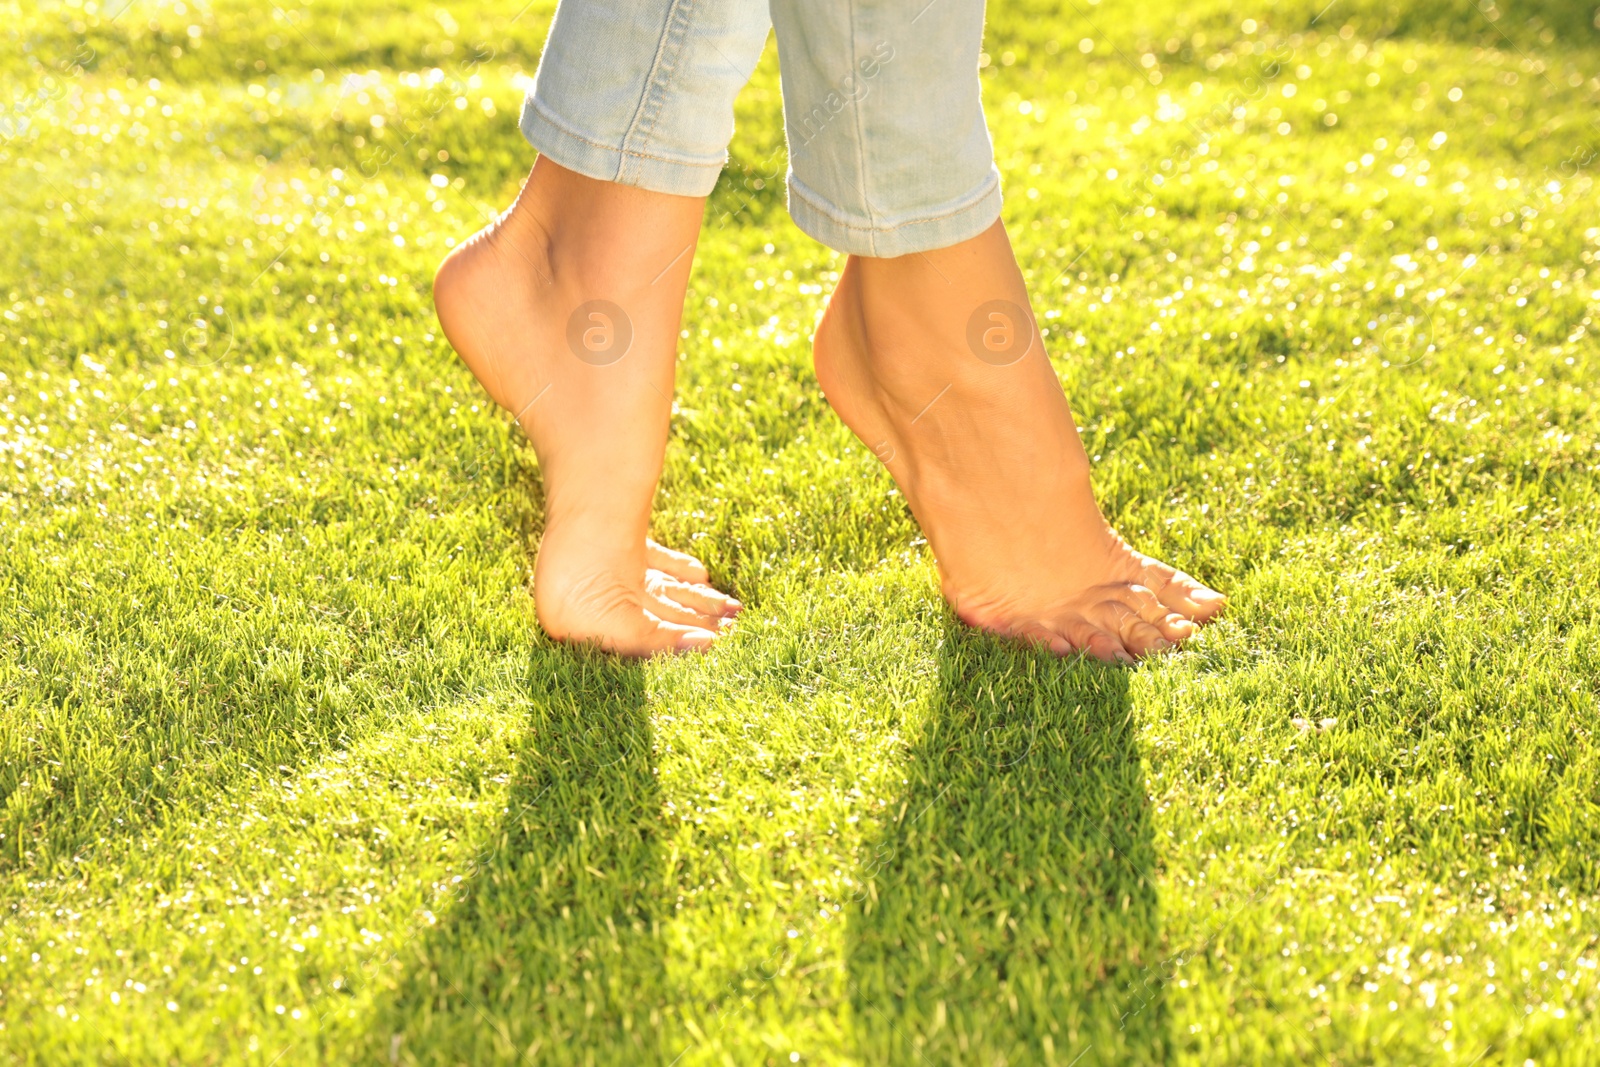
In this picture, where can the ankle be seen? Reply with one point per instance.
(613, 523)
(522, 225)
(599, 240)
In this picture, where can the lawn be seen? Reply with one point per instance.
(288, 774)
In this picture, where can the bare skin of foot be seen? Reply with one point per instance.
(566, 309)
(934, 360)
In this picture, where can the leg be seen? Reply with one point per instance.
(591, 384)
(928, 350)
(567, 307)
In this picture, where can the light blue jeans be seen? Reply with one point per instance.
(888, 150)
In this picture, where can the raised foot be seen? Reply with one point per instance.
(598, 418)
(666, 607)
(983, 446)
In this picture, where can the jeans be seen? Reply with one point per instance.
(888, 150)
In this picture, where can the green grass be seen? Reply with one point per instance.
(288, 774)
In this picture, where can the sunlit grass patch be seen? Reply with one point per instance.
(288, 774)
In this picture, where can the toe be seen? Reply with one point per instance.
(1047, 638)
(1141, 638)
(1210, 601)
(1180, 592)
(667, 608)
(622, 621)
(679, 565)
(1186, 596)
(1137, 637)
(1173, 626)
(1097, 641)
(701, 598)
(1103, 646)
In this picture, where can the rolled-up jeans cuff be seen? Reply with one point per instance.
(588, 156)
(941, 227)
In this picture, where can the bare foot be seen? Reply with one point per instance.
(936, 364)
(566, 309)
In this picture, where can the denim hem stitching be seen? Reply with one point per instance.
(811, 201)
(626, 153)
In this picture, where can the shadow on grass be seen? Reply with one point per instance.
(1008, 913)
(550, 952)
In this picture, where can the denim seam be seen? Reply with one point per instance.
(628, 153)
(861, 137)
(662, 68)
(799, 191)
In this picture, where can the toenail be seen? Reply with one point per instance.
(1161, 644)
(697, 639)
(1123, 656)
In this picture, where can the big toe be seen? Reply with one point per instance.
(1192, 599)
(679, 565)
